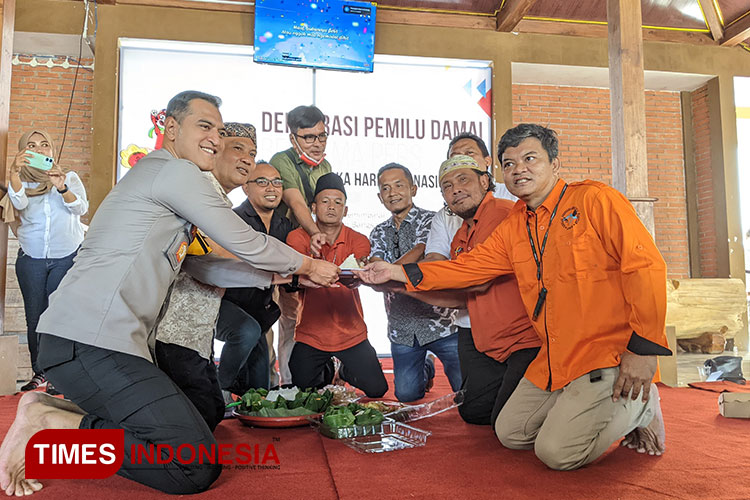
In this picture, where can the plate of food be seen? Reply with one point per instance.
(281, 408)
(275, 422)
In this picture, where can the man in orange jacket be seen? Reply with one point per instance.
(593, 283)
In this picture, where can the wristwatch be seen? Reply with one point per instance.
(64, 190)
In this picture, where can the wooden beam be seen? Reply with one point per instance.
(511, 14)
(628, 106)
(737, 32)
(600, 31)
(712, 19)
(226, 6)
(7, 22)
(435, 19)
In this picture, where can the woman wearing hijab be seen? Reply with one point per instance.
(43, 207)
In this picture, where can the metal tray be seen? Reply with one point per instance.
(393, 436)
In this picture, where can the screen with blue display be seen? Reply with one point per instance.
(328, 34)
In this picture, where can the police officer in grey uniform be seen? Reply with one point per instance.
(97, 334)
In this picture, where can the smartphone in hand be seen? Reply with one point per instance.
(40, 161)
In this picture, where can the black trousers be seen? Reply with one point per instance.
(121, 391)
(360, 367)
(488, 383)
(196, 377)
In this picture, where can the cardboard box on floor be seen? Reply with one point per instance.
(734, 404)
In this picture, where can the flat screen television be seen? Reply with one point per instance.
(328, 34)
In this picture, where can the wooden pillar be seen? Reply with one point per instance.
(628, 106)
(8, 346)
(7, 20)
(691, 183)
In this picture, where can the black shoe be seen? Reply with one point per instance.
(37, 380)
(51, 390)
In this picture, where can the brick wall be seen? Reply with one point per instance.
(39, 98)
(704, 183)
(581, 118)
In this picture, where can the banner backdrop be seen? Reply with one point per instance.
(406, 111)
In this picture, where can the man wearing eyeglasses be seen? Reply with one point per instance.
(250, 366)
(300, 167)
(594, 285)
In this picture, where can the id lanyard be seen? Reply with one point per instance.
(539, 256)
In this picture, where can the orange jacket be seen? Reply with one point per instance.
(331, 319)
(510, 330)
(605, 279)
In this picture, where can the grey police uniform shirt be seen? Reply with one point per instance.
(135, 246)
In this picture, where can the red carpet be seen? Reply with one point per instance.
(720, 386)
(705, 459)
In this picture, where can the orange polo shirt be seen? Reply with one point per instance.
(499, 323)
(604, 275)
(331, 319)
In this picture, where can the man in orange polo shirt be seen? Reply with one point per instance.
(331, 322)
(594, 284)
(495, 352)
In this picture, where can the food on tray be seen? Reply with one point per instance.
(288, 393)
(350, 263)
(260, 403)
(384, 407)
(352, 414)
(341, 394)
(338, 416)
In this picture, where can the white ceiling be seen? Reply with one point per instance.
(586, 76)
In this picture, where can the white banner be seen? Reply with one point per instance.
(406, 111)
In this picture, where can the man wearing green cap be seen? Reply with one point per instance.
(495, 351)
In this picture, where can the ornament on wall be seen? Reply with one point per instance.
(65, 62)
(130, 155)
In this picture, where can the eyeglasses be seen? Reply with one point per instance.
(310, 138)
(263, 182)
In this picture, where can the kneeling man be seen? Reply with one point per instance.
(593, 283)
(331, 322)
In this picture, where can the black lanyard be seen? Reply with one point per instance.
(538, 257)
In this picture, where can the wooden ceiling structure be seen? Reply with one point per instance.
(708, 22)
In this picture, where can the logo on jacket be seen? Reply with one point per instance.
(180, 253)
(570, 218)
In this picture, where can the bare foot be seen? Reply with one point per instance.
(649, 439)
(36, 411)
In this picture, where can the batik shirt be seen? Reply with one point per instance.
(409, 318)
(193, 307)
